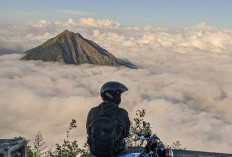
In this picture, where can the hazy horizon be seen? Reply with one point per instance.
(159, 13)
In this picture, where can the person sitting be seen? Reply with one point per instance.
(107, 124)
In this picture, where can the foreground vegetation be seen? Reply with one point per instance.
(71, 148)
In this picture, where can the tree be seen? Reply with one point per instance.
(68, 148)
(85, 150)
(137, 128)
(39, 146)
(72, 125)
(177, 145)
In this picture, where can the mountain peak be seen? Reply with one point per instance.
(72, 48)
(66, 32)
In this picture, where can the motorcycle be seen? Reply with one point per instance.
(153, 148)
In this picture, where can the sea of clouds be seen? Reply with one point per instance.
(183, 81)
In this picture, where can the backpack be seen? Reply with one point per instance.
(103, 136)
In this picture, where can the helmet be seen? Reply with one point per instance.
(111, 91)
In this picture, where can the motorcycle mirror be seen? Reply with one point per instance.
(146, 123)
(141, 139)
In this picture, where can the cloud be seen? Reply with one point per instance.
(184, 83)
(71, 22)
(42, 23)
(99, 23)
(201, 36)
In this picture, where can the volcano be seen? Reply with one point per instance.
(72, 48)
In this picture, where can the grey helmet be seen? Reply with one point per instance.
(111, 92)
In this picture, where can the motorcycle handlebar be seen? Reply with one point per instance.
(143, 153)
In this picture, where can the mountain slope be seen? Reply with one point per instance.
(72, 48)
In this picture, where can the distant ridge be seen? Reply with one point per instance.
(72, 48)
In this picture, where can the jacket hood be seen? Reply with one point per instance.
(109, 107)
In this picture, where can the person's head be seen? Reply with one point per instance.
(111, 92)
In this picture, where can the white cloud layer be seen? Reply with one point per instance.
(99, 23)
(184, 81)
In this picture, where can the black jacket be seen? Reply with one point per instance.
(109, 109)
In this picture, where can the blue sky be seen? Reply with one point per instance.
(163, 13)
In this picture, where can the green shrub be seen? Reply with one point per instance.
(71, 148)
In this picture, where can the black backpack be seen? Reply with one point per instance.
(103, 138)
